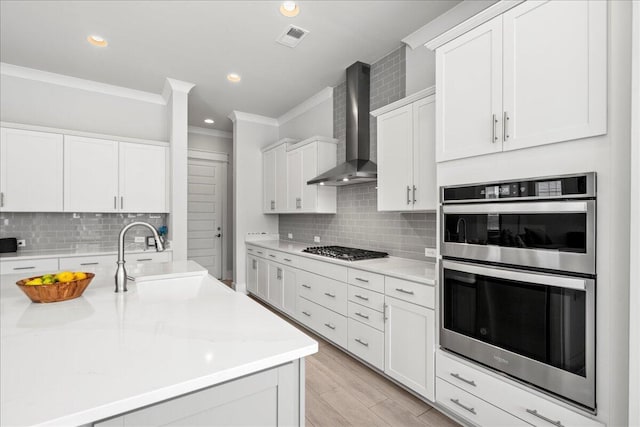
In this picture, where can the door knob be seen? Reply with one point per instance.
(219, 234)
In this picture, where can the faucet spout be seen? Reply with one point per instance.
(121, 272)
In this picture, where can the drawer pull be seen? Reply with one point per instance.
(542, 417)
(404, 291)
(287, 259)
(306, 286)
(361, 297)
(306, 314)
(250, 250)
(457, 402)
(364, 343)
(364, 316)
(329, 325)
(144, 259)
(89, 263)
(359, 279)
(24, 268)
(260, 253)
(272, 255)
(458, 377)
(330, 294)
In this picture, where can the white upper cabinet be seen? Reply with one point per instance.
(90, 175)
(143, 178)
(532, 76)
(406, 155)
(31, 171)
(275, 178)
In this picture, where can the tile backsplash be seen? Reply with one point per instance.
(358, 222)
(88, 232)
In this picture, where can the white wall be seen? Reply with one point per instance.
(43, 103)
(421, 69)
(607, 155)
(312, 117)
(250, 134)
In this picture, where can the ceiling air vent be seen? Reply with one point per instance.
(292, 36)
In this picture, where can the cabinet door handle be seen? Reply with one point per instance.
(24, 268)
(404, 291)
(144, 259)
(362, 280)
(364, 316)
(115, 202)
(458, 377)
(361, 297)
(505, 126)
(306, 314)
(330, 326)
(384, 312)
(414, 194)
(89, 263)
(408, 195)
(364, 343)
(330, 294)
(254, 263)
(468, 408)
(1, 200)
(542, 417)
(273, 204)
(121, 202)
(494, 123)
(279, 274)
(306, 286)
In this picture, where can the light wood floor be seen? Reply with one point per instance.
(340, 391)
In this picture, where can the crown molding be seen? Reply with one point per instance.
(303, 107)
(173, 85)
(77, 83)
(404, 101)
(210, 132)
(239, 116)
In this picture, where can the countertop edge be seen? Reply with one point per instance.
(9, 257)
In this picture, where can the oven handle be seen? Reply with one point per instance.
(519, 275)
(519, 208)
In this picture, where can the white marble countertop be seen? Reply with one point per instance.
(402, 268)
(82, 360)
(82, 250)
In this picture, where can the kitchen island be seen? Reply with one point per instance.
(204, 352)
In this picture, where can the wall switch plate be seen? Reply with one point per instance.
(76, 215)
(430, 252)
(290, 235)
(316, 239)
(138, 239)
(151, 242)
(22, 243)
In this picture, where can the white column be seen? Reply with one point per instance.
(176, 93)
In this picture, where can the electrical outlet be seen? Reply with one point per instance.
(22, 243)
(316, 239)
(430, 252)
(151, 242)
(290, 235)
(138, 239)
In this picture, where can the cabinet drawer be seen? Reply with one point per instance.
(26, 267)
(324, 291)
(334, 271)
(366, 343)
(88, 263)
(371, 299)
(507, 396)
(327, 323)
(472, 408)
(413, 292)
(366, 315)
(367, 280)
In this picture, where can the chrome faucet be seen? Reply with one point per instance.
(461, 220)
(121, 272)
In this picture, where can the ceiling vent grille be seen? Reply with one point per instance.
(292, 36)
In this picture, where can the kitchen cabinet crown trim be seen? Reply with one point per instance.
(486, 15)
(70, 132)
(239, 116)
(311, 140)
(288, 141)
(404, 101)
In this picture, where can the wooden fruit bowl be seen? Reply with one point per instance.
(55, 292)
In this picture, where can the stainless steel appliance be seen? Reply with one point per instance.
(344, 253)
(518, 280)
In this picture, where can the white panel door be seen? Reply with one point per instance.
(424, 154)
(395, 160)
(263, 279)
(280, 178)
(294, 181)
(205, 201)
(31, 165)
(289, 291)
(269, 181)
(469, 93)
(252, 274)
(409, 345)
(309, 171)
(276, 284)
(143, 178)
(90, 175)
(555, 72)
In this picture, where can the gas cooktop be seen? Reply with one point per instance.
(344, 253)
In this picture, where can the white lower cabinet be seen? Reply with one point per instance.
(49, 265)
(252, 274)
(327, 323)
(367, 343)
(289, 290)
(274, 292)
(262, 279)
(409, 345)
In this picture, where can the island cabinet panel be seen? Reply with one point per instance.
(269, 398)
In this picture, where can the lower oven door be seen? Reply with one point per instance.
(536, 327)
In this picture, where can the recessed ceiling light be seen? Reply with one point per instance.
(208, 121)
(289, 9)
(97, 41)
(234, 77)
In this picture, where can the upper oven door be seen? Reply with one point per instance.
(555, 235)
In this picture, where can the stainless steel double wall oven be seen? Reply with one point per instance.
(518, 280)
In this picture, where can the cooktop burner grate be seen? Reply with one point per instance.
(344, 253)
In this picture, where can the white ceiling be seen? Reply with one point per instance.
(201, 41)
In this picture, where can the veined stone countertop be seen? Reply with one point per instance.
(408, 269)
(103, 354)
(82, 250)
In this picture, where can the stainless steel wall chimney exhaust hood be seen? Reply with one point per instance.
(358, 168)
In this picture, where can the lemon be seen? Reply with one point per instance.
(65, 276)
(47, 281)
(79, 275)
(36, 281)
